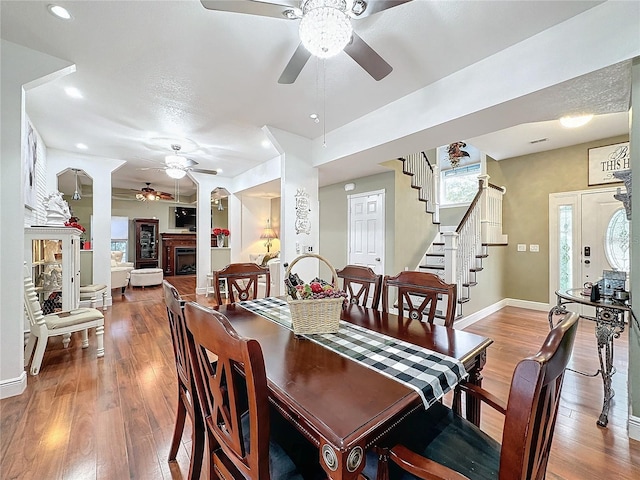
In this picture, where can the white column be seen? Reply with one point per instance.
(22, 69)
(450, 257)
(298, 175)
(100, 170)
(206, 184)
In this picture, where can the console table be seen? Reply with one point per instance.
(610, 323)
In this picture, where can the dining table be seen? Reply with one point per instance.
(342, 406)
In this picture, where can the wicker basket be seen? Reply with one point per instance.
(315, 316)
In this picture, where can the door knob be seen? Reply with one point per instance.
(587, 262)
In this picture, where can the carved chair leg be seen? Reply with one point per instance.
(383, 464)
(100, 339)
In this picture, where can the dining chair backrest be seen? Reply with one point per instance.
(237, 384)
(530, 417)
(178, 328)
(358, 282)
(533, 403)
(242, 281)
(418, 293)
(188, 402)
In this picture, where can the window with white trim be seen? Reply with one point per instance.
(458, 186)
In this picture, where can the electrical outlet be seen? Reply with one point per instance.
(534, 248)
(310, 249)
(522, 247)
(298, 248)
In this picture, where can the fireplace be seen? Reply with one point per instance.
(186, 244)
(185, 259)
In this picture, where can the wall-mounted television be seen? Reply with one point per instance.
(185, 217)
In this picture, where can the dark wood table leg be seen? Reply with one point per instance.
(475, 377)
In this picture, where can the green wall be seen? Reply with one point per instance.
(334, 218)
(529, 180)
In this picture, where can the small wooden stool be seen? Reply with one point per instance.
(91, 292)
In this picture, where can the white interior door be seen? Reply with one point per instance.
(588, 233)
(366, 230)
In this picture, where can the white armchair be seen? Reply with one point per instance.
(120, 271)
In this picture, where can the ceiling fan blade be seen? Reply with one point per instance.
(374, 6)
(367, 58)
(202, 170)
(295, 65)
(251, 7)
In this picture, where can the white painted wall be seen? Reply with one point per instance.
(22, 69)
(297, 173)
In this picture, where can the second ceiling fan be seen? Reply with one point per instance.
(325, 29)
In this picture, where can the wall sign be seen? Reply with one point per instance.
(604, 161)
(303, 223)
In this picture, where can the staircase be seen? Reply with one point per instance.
(457, 252)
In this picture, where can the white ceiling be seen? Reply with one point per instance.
(174, 71)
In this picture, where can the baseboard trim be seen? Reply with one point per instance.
(13, 386)
(480, 314)
(634, 427)
(514, 302)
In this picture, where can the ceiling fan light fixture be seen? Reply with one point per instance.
(175, 172)
(325, 28)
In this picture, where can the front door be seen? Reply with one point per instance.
(588, 233)
(366, 230)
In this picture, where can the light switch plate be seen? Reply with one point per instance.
(534, 248)
(522, 247)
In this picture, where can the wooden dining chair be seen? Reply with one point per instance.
(357, 281)
(418, 293)
(234, 399)
(187, 398)
(241, 281)
(438, 444)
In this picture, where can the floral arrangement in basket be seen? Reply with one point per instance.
(315, 306)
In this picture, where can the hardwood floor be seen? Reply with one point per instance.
(113, 418)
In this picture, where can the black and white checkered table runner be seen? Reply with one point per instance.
(430, 373)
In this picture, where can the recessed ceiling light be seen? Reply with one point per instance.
(73, 92)
(219, 170)
(575, 121)
(81, 146)
(59, 12)
(265, 143)
(315, 117)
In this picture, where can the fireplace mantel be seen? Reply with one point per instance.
(171, 241)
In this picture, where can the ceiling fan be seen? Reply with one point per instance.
(149, 194)
(325, 29)
(177, 166)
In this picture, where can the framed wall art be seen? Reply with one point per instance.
(605, 161)
(29, 167)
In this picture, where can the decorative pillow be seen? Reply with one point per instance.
(267, 257)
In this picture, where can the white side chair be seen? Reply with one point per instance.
(59, 323)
